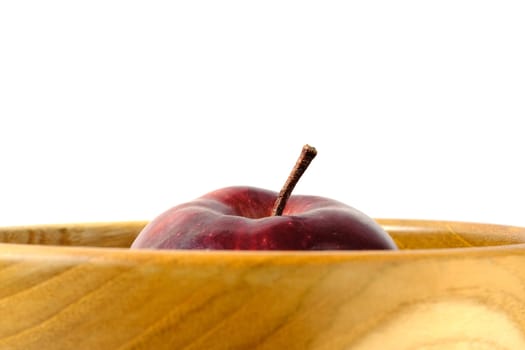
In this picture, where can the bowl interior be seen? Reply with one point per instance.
(408, 234)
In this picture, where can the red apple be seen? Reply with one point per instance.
(250, 218)
(240, 218)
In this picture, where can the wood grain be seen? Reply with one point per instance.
(452, 286)
(99, 234)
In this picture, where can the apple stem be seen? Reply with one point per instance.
(305, 158)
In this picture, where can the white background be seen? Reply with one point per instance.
(118, 110)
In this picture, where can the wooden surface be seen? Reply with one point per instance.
(85, 290)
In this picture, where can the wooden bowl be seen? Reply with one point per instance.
(451, 286)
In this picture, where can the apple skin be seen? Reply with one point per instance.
(238, 218)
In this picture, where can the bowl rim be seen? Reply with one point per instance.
(12, 249)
